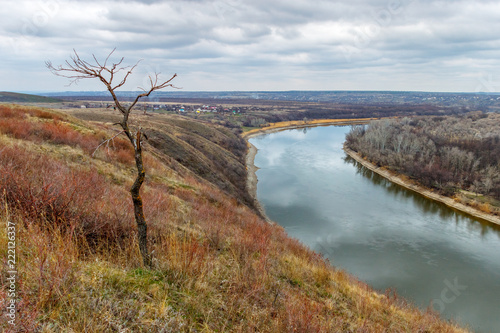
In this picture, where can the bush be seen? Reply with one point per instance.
(47, 192)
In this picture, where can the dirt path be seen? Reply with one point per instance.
(423, 191)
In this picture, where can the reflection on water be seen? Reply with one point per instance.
(386, 235)
(427, 206)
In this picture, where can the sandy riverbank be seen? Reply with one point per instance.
(423, 191)
(286, 125)
(252, 179)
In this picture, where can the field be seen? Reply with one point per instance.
(254, 113)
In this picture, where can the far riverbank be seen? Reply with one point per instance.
(285, 125)
(398, 179)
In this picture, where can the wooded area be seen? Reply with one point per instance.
(447, 153)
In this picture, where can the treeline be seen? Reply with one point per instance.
(306, 111)
(325, 111)
(443, 152)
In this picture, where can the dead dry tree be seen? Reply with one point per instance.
(114, 76)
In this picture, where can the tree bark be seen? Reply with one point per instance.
(142, 227)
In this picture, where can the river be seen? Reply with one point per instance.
(383, 234)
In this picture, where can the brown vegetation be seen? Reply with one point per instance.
(445, 153)
(217, 266)
(108, 74)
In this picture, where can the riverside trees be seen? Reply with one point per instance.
(447, 153)
(114, 76)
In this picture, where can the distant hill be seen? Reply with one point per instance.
(474, 101)
(11, 97)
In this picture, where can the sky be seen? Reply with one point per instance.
(257, 45)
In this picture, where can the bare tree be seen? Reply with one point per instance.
(114, 76)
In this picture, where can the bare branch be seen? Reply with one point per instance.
(154, 86)
(126, 75)
(109, 55)
(107, 142)
(77, 69)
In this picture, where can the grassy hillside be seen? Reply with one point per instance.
(210, 152)
(11, 97)
(218, 267)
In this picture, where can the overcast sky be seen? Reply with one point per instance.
(410, 45)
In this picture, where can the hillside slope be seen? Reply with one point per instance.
(212, 153)
(11, 97)
(218, 267)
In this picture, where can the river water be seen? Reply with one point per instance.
(383, 234)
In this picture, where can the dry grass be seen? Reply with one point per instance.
(217, 266)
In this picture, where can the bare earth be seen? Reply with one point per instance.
(423, 191)
(252, 178)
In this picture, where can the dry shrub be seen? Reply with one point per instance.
(46, 266)
(20, 112)
(485, 207)
(118, 149)
(54, 132)
(158, 209)
(8, 112)
(186, 255)
(303, 315)
(49, 193)
(16, 128)
(125, 156)
(13, 122)
(255, 239)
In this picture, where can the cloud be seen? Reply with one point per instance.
(277, 45)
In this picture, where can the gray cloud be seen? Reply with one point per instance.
(276, 45)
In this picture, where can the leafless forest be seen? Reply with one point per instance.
(447, 153)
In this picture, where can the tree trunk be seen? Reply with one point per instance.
(142, 227)
(77, 69)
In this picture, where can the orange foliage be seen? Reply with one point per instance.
(45, 190)
(14, 122)
(21, 112)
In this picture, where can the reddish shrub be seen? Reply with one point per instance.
(44, 190)
(125, 156)
(16, 128)
(8, 112)
(44, 114)
(60, 133)
(303, 315)
(20, 112)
